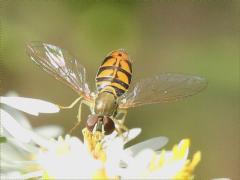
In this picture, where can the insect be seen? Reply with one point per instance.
(113, 95)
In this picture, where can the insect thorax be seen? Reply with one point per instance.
(105, 104)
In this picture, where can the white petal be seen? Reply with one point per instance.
(28, 147)
(50, 131)
(10, 174)
(153, 143)
(41, 141)
(20, 176)
(170, 168)
(187, 151)
(29, 105)
(31, 175)
(77, 157)
(125, 137)
(13, 127)
(23, 121)
(4, 132)
(168, 171)
(21, 164)
(131, 134)
(11, 153)
(7, 166)
(19, 117)
(137, 168)
(144, 157)
(19, 133)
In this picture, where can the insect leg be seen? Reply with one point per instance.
(71, 105)
(79, 119)
(90, 105)
(119, 121)
(120, 125)
(121, 115)
(79, 115)
(120, 128)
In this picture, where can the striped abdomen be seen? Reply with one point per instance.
(115, 73)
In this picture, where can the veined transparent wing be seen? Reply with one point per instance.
(164, 87)
(60, 64)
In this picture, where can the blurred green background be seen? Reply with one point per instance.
(194, 37)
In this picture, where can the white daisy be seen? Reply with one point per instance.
(20, 145)
(27, 154)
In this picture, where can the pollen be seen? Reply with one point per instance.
(169, 160)
(100, 174)
(94, 144)
(62, 147)
(187, 171)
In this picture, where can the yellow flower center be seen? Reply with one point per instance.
(94, 143)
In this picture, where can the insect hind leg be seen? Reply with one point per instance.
(121, 115)
(119, 121)
(121, 128)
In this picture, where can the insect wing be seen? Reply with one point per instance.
(165, 87)
(59, 63)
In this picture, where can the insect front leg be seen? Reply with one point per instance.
(90, 105)
(79, 116)
(71, 105)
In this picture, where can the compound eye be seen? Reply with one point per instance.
(91, 122)
(108, 124)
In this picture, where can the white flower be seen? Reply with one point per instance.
(28, 154)
(22, 143)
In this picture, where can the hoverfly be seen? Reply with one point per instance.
(113, 96)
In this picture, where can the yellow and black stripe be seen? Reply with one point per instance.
(115, 73)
